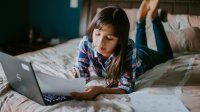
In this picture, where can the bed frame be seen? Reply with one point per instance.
(89, 8)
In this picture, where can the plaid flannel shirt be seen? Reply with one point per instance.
(88, 56)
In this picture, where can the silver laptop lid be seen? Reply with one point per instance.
(21, 77)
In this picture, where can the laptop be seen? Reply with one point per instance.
(22, 79)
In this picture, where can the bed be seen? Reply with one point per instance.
(179, 77)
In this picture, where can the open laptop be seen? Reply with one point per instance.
(22, 78)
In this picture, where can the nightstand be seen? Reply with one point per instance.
(20, 48)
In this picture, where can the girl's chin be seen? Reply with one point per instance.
(100, 52)
(103, 53)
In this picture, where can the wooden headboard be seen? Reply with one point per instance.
(89, 8)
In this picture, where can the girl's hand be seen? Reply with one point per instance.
(89, 94)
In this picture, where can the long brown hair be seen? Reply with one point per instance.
(118, 19)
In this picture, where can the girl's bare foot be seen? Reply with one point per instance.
(143, 10)
(153, 5)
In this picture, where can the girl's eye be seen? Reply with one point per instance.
(109, 38)
(97, 34)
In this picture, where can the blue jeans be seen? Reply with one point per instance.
(149, 56)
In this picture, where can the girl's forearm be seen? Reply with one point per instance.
(111, 91)
(92, 92)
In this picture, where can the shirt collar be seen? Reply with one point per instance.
(97, 55)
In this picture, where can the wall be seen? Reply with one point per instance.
(55, 18)
(13, 20)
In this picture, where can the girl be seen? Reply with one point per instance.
(115, 57)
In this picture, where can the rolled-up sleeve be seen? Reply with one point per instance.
(82, 61)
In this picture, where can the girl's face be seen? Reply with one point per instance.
(104, 40)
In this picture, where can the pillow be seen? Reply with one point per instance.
(183, 32)
(132, 15)
(187, 39)
(194, 21)
(178, 21)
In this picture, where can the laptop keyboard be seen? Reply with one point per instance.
(52, 99)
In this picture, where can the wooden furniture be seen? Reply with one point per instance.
(20, 48)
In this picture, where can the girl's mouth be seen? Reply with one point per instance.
(101, 48)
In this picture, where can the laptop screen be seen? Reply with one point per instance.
(21, 77)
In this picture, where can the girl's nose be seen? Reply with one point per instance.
(102, 41)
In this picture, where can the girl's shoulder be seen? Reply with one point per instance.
(85, 42)
(85, 39)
